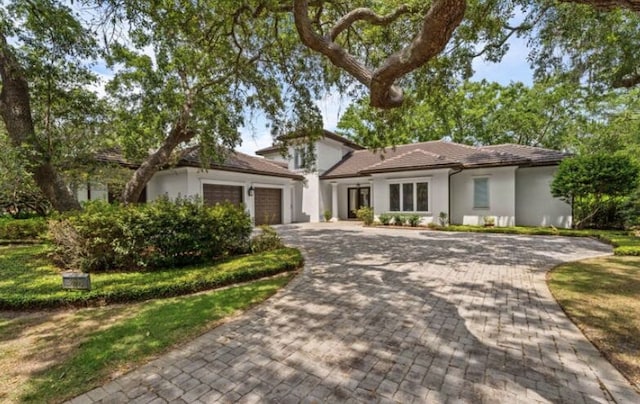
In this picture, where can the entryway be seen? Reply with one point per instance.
(359, 197)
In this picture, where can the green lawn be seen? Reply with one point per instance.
(602, 296)
(153, 328)
(28, 280)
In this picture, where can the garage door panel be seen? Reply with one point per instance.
(268, 206)
(215, 193)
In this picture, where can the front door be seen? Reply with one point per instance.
(358, 198)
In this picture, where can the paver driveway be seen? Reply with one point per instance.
(395, 316)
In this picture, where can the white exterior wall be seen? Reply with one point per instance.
(313, 198)
(438, 191)
(189, 181)
(535, 206)
(171, 183)
(98, 192)
(502, 196)
(275, 156)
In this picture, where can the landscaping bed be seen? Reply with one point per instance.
(28, 279)
(623, 242)
(601, 297)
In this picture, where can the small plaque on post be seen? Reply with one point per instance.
(76, 280)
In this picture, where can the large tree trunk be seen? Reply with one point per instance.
(160, 158)
(15, 109)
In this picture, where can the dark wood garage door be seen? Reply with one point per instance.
(268, 206)
(214, 193)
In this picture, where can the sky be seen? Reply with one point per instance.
(513, 67)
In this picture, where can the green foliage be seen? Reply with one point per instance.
(327, 215)
(547, 114)
(29, 280)
(134, 339)
(365, 214)
(594, 183)
(413, 220)
(160, 234)
(385, 218)
(267, 240)
(23, 229)
(398, 219)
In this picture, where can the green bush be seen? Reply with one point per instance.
(366, 215)
(385, 218)
(627, 250)
(414, 220)
(327, 215)
(23, 229)
(398, 219)
(159, 234)
(267, 240)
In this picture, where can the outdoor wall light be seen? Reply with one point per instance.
(250, 191)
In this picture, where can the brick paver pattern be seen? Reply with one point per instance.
(392, 315)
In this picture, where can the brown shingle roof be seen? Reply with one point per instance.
(439, 154)
(326, 134)
(235, 161)
(240, 162)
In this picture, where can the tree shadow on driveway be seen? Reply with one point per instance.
(383, 316)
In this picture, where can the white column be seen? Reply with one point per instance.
(334, 202)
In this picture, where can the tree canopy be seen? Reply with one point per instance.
(186, 73)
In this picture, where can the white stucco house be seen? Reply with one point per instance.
(507, 182)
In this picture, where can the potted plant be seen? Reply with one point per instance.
(327, 215)
(443, 218)
(489, 221)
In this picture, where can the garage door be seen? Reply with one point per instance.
(268, 206)
(214, 193)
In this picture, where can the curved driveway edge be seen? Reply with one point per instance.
(384, 315)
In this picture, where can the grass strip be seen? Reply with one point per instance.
(601, 297)
(28, 280)
(157, 326)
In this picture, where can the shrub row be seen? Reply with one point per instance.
(399, 219)
(149, 236)
(23, 229)
(108, 288)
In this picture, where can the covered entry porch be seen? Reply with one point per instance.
(344, 197)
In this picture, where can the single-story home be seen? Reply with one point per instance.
(508, 182)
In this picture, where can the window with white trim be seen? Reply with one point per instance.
(481, 193)
(409, 197)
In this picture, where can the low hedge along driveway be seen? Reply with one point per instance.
(28, 279)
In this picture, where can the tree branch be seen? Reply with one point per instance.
(442, 18)
(365, 14)
(633, 5)
(628, 81)
(438, 25)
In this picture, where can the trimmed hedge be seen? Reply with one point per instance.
(29, 281)
(23, 229)
(160, 234)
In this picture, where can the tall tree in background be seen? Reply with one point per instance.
(212, 59)
(548, 114)
(50, 116)
(187, 73)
